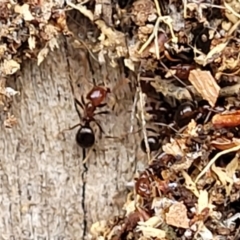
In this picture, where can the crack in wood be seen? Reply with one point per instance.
(84, 173)
(83, 196)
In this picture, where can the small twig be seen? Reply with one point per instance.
(151, 37)
(185, 8)
(207, 167)
(133, 112)
(213, 6)
(156, 44)
(233, 28)
(158, 8)
(178, 132)
(229, 8)
(173, 75)
(82, 9)
(88, 49)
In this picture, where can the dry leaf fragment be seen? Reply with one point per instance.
(151, 232)
(203, 202)
(232, 167)
(154, 221)
(224, 143)
(24, 10)
(175, 147)
(10, 67)
(3, 49)
(41, 55)
(212, 161)
(168, 89)
(129, 64)
(10, 121)
(32, 42)
(205, 84)
(223, 177)
(205, 233)
(177, 216)
(212, 55)
(9, 92)
(226, 175)
(53, 43)
(98, 227)
(189, 183)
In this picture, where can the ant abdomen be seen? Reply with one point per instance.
(158, 114)
(153, 143)
(85, 137)
(185, 112)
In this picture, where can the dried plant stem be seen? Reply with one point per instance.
(151, 37)
(233, 28)
(229, 8)
(173, 75)
(207, 167)
(156, 44)
(87, 13)
(185, 8)
(158, 8)
(142, 105)
(133, 112)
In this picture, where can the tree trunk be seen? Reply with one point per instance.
(46, 190)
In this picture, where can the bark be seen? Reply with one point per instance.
(46, 190)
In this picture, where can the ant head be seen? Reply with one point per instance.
(85, 137)
(153, 143)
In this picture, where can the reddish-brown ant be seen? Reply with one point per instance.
(183, 71)
(97, 95)
(85, 136)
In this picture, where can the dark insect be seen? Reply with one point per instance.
(201, 112)
(143, 184)
(183, 70)
(153, 143)
(201, 38)
(159, 112)
(85, 136)
(184, 113)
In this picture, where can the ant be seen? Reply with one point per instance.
(159, 112)
(182, 116)
(85, 136)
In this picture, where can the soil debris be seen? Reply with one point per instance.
(183, 57)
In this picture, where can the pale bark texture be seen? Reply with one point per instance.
(46, 191)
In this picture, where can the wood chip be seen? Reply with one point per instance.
(205, 84)
(177, 216)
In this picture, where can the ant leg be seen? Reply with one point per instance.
(101, 105)
(151, 130)
(99, 126)
(102, 112)
(79, 103)
(76, 103)
(71, 128)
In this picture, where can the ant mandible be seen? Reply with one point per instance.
(85, 136)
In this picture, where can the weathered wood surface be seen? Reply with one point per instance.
(45, 191)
